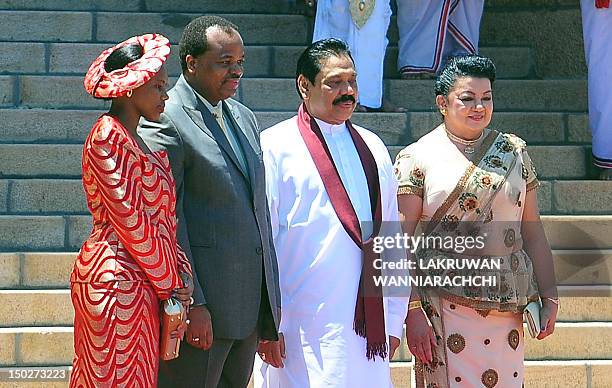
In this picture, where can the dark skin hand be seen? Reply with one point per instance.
(200, 331)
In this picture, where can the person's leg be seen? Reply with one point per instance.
(464, 27)
(238, 366)
(368, 49)
(422, 27)
(597, 36)
(195, 367)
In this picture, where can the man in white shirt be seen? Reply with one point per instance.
(330, 186)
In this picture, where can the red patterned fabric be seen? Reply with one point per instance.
(602, 3)
(130, 262)
(101, 84)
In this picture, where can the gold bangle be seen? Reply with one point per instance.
(415, 305)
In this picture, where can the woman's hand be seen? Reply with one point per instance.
(420, 335)
(548, 318)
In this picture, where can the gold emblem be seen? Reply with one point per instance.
(361, 10)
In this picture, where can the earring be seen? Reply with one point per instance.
(443, 111)
(129, 93)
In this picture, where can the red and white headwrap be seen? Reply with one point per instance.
(100, 84)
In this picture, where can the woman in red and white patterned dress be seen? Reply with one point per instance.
(131, 261)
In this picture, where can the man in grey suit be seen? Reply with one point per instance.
(213, 146)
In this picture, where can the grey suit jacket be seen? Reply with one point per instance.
(222, 212)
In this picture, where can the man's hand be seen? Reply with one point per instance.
(184, 294)
(273, 352)
(394, 343)
(199, 331)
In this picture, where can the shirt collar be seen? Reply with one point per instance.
(331, 128)
(214, 109)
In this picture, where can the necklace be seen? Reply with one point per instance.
(469, 144)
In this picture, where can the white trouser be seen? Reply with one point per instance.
(597, 29)
(367, 44)
(432, 30)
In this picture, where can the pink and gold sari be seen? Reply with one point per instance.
(479, 329)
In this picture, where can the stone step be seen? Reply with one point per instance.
(54, 345)
(67, 233)
(209, 6)
(52, 307)
(574, 268)
(72, 126)
(278, 94)
(74, 26)
(34, 196)
(64, 161)
(541, 374)
(261, 61)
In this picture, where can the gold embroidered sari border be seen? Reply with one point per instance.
(534, 184)
(408, 190)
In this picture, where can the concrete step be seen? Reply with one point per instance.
(536, 128)
(52, 307)
(61, 196)
(54, 345)
(36, 346)
(67, 233)
(540, 374)
(574, 268)
(74, 26)
(64, 161)
(261, 61)
(210, 6)
(278, 94)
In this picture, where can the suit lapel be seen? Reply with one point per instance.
(202, 117)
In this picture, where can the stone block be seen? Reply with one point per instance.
(573, 341)
(545, 197)
(36, 308)
(62, 26)
(215, 6)
(578, 232)
(7, 350)
(4, 194)
(601, 374)
(579, 267)
(554, 35)
(57, 92)
(50, 270)
(46, 346)
(46, 125)
(9, 271)
(578, 130)
(584, 309)
(79, 228)
(285, 60)
(6, 91)
(269, 94)
(58, 196)
(31, 233)
(258, 61)
(40, 160)
(560, 162)
(392, 128)
(401, 374)
(255, 29)
(583, 197)
(22, 57)
(71, 5)
(556, 374)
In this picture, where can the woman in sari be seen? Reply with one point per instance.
(131, 260)
(460, 181)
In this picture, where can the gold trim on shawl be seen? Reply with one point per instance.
(534, 184)
(407, 190)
